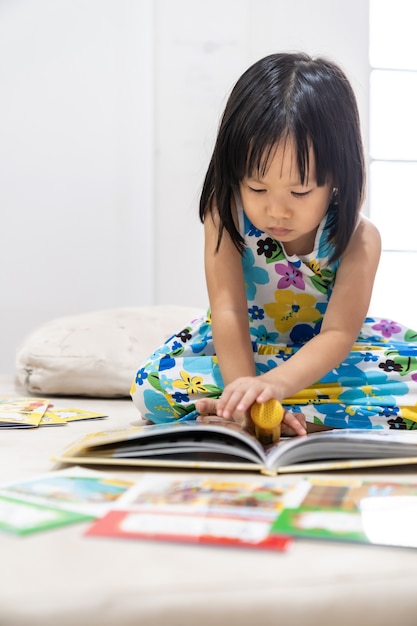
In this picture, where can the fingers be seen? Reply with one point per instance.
(207, 406)
(294, 424)
(239, 396)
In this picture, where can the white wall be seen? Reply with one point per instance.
(108, 113)
(76, 166)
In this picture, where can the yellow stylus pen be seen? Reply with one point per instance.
(267, 418)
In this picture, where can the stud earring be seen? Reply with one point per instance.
(335, 196)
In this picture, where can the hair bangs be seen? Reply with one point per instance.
(257, 163)
(263, 149)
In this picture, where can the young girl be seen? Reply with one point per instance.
(290, 264)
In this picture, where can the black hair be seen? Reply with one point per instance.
(289, 96)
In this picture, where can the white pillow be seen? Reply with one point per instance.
(96, 354)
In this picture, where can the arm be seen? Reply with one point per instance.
(226, 290)
(230, 327)
(345, 313)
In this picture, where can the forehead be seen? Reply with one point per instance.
(284, 160)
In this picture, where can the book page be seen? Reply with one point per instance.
(75, 489)
(198, 510)
(208, 440)
(21, 517)
(365, 511)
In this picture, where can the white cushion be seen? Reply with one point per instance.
(98, 353)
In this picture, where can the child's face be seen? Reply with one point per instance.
(281, 206)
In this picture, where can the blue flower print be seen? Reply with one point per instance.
(202, 338)
(160, 352)
(301, 333)
(205, 328)
(262, 368)
(322, 307)
(389, 411)
(166, 363)
(159, 407)
(347, 373)
(198, 365)
(263, 335)
(217, 376)
(199, 344)
(368, 356)
(340, 416)
(176, 346)
(165, 382)
(334, 415)
(382, 394)
(252, 275)
(162, 412)
(256, 313)
(250, 229)
(325, 247)
(285, 353)
(141, 376)
(180, 397)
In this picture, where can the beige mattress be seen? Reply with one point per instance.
(61, 578)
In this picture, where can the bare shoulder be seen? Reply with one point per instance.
(366, 237)
(368, 231)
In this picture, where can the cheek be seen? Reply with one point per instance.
(249, 201)
(252, 206)
(254, 212)
(321, 205)
(328, 195)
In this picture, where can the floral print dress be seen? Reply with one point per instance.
(287, 296)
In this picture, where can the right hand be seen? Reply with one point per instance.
(292, 424)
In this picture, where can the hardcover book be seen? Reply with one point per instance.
(222, 444)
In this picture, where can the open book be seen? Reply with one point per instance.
(220, 444)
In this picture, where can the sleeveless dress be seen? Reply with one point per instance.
(287, 296)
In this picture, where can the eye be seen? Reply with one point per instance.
(256, 190)
(300, 194)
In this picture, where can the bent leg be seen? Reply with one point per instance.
(179, 373)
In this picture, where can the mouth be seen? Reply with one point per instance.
(277, 233)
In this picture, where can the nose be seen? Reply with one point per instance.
(278, 209)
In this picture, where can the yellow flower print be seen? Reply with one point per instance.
(169, 400)
(193, 384)
(368, 391)
(409, 413)
(316, 268)
(290, 309)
